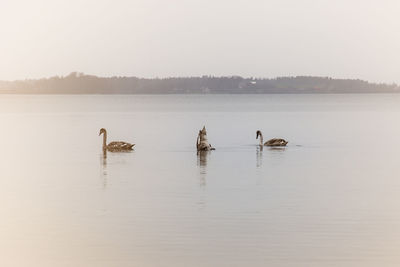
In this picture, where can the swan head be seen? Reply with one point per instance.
(102, 131)
(258, 133)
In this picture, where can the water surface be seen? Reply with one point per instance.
(331, 198)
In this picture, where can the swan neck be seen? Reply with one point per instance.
(104, 140)
(261, 139)
(198, 141)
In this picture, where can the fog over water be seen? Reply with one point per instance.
(328, 199)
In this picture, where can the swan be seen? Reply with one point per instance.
(202, 142)
(118, 146)
(272, 142)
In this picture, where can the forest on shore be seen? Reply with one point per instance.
(79, 83)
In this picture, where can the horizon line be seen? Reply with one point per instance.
(82, 74)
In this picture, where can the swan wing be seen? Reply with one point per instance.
(119, 146)
(276, 142)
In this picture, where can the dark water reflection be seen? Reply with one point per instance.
(259, 155)
(103, 163)
(202, 161)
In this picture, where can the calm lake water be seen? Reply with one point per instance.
(331, 198)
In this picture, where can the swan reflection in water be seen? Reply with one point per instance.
(259, 155)
(271, 151)
(103, 161)
(202, 158)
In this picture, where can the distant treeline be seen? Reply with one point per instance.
(79, 83)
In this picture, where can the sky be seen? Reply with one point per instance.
(251, 38)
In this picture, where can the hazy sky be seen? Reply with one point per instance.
(149, 38)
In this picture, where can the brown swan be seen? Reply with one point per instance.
(271, 142)
(118, 146)
(202, 142)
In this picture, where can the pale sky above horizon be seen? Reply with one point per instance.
(149, 38)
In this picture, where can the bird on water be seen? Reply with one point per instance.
(271, 142)
(116, 146)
